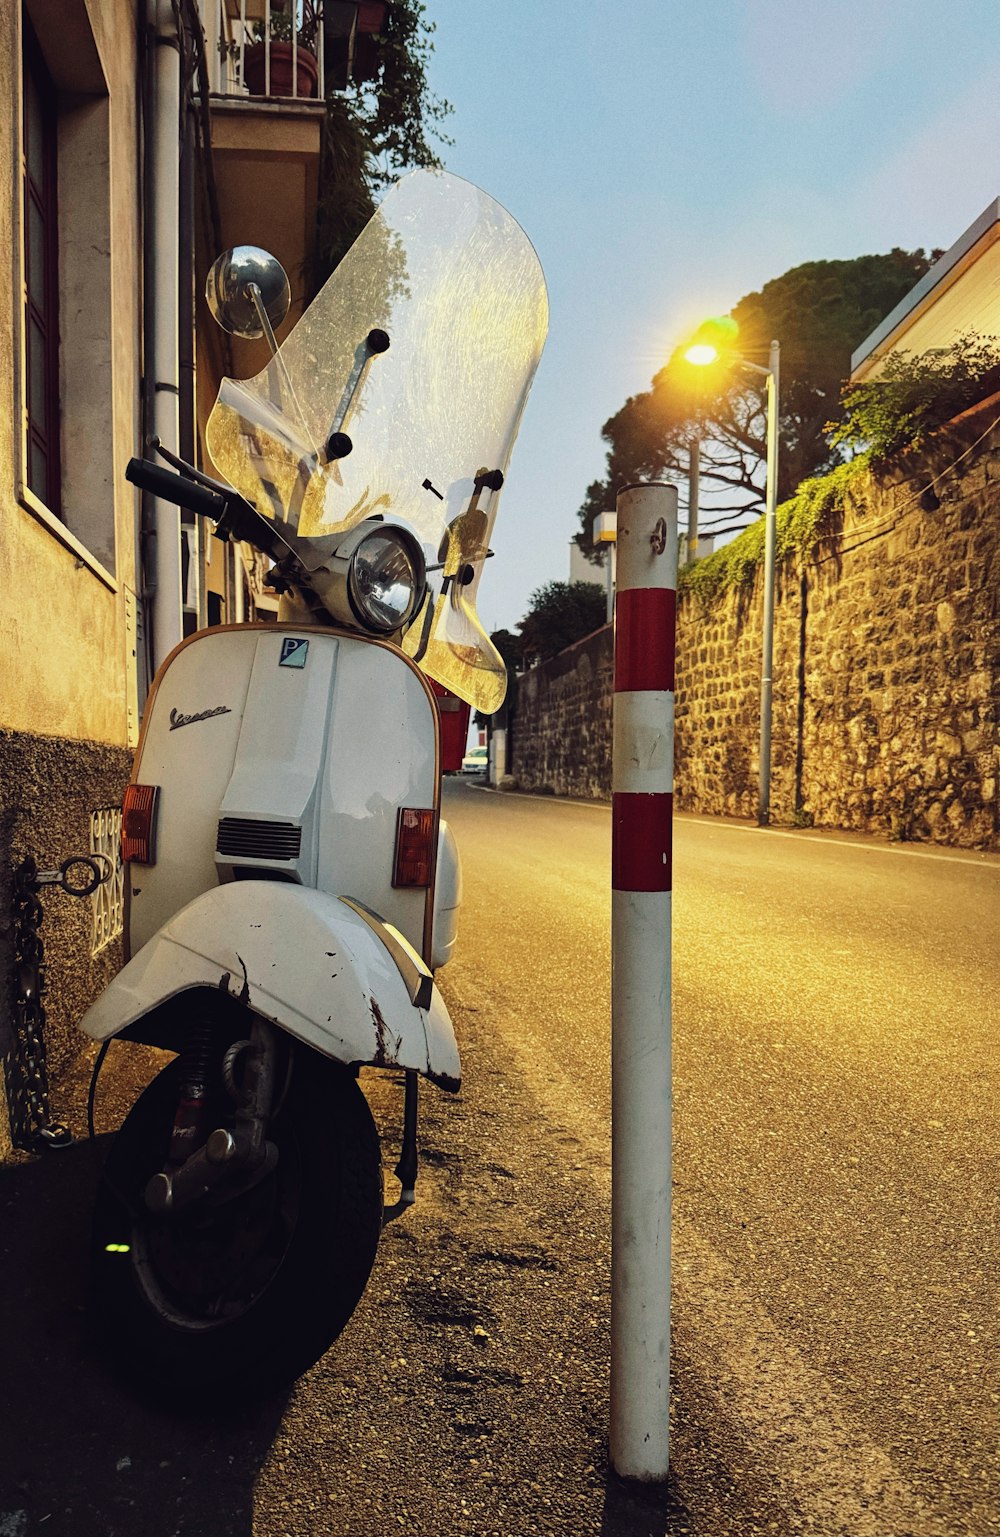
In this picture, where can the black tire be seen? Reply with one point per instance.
(243, 1296)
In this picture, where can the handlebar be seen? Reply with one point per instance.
(175, 488)
(234, 517)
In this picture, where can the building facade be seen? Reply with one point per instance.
(71, 287)
(141, 137)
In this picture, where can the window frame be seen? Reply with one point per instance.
(36, 82)
(27, 43)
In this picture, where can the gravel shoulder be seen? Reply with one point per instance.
(468, 1394)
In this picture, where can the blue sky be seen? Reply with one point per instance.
(666, 159)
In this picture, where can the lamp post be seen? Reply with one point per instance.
(700, 355)
(605, 531)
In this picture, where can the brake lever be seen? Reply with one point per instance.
(239, 514)
(183, 468)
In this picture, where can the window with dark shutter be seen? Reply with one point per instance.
(41, 278)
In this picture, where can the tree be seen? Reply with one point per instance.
(509, 645)
(820, 312)
(559, 614)
(511, 648)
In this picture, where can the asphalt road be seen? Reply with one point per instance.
(835, 1251)
(836, 1076)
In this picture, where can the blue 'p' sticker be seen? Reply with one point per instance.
(293, 652)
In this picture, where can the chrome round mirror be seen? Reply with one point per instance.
(229, 290)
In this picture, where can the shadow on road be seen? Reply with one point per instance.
(635, 1510)
(80, 1455)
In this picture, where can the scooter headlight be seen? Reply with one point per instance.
(386, 580)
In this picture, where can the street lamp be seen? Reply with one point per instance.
(701, 354)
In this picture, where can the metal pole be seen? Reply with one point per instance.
(770, 540)
(239, 612)
(642, 785)
(694, 491)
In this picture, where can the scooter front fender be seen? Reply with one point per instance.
(302, 958)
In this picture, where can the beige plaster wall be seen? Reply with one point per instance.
(63, 643)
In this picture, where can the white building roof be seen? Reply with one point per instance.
(960, 293)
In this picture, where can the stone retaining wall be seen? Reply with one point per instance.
(886, 669)
(49, 786)
(560, 721)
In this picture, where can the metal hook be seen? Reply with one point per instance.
(60, 877)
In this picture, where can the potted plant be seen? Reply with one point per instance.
(304, 16)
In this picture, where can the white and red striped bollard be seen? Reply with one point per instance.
(642, 786)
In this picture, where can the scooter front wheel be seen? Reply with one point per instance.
(240, 1295)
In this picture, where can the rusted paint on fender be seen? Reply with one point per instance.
(385, 1054)
(445, 1081)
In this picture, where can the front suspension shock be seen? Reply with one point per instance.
(191, 1118)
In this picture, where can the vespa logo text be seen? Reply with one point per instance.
(177, 719)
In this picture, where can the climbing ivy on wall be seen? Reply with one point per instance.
(914, 394)
(798, 521)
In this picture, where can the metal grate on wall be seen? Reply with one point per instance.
(108, 901)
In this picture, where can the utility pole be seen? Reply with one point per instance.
(694, 495)
(603, 532)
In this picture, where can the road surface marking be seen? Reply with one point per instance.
(974, 859)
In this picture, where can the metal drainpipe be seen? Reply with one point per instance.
(187, 410)
(161, 297)
(147, 533)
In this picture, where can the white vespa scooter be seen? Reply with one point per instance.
(291, 885)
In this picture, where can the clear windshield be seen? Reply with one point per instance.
(455, 285)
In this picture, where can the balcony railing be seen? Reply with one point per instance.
(297, 49)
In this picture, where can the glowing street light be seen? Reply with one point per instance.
(702, 354)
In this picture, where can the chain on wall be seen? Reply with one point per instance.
(32, 1127)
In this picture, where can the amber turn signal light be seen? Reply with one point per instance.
(139, 824)
(414, 847)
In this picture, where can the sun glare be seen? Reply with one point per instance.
(701, 354)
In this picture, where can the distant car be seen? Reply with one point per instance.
(476, 760)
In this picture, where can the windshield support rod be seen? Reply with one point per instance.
(375, 342)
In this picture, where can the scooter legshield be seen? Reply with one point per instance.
(296, 956)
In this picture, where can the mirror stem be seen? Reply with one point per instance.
(257, 299)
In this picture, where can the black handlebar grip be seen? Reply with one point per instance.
(175, 488)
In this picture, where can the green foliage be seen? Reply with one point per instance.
(398, 106)
(913, 395)
(281, 24)
(345, 202)
(798, 523)
(375, 132)
(560, 614)
(820, 312)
